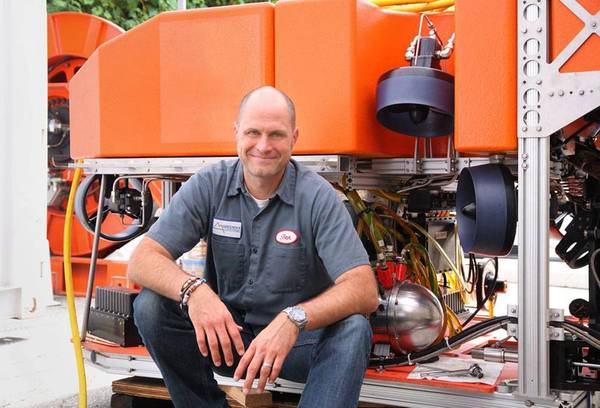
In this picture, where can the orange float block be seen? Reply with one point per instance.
(329, 55)
(485, 93)
(172, 85)
(486, 68)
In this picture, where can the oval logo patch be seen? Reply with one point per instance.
(286, 237)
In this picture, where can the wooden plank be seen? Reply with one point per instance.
(252, 400)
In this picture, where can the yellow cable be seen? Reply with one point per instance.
(69, 286)
(383, 3)
(424, 6)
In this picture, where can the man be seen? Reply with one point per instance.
(287, 280)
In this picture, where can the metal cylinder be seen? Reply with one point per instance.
(498, 355)
(411, 315)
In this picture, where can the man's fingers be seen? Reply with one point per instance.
(265, 370)
(277, 364)
(213, 344)
(245, 360)
(234, 333)
(201, 339)
(225, 345)
(252, 371)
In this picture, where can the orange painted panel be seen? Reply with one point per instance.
(565, 27)
(171, 86)
(486, 77)
(329, 55)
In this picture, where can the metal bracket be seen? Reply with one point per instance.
(556, 315)
(512, 311)
(556, 334)
(513, 330)
(543, 89)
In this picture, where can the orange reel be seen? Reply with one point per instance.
(72, 38)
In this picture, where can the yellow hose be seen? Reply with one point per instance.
(422, 6)
(69, 286)
(383, 3)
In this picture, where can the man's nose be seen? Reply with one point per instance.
(263, 144)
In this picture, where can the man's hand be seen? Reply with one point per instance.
(214, 325)
(267, 352)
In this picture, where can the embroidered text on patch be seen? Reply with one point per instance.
(230, 229)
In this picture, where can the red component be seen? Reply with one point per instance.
(386, 274)
(391, 273)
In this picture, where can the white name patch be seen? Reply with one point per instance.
(286, 237)
(230, 229)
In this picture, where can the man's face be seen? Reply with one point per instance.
(265, 137)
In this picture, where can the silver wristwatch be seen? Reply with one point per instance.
(297, 315)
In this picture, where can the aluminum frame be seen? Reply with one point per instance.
(547, 101)
(375, 391)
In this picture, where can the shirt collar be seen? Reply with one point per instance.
(285, 191)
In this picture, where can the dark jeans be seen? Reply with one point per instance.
(331, 361)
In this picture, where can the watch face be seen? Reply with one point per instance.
(298, 314)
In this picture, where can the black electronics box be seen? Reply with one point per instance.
(112, 317)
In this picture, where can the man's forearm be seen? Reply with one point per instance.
(152, 267)
(355, 292)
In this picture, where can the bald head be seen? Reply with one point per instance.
(271, 94)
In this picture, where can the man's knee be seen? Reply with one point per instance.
(355, 331)
(149, 310)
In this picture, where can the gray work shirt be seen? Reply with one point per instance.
(261, 261)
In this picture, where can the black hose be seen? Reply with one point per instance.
(438, 348)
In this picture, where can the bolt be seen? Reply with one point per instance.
(594, 24)
(528, 403)
(581, 92)
(513, 310)
(524, 129)
(561, 92)
(539, 82)
(524, 30)
(538, 128)
(551, 94)
(525, 166)
(539, 29)
(555, 315)
(525, 156)
(555, 335)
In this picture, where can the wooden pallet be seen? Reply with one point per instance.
(136, 392)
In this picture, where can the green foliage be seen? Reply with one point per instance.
(129, 13)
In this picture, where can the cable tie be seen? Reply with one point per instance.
(408, 358)
(448, 344)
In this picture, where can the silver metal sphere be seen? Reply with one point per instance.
(411, 315)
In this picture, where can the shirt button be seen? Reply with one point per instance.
(250, 281)
(254, 250)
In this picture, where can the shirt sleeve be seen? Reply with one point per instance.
(185, 220)
(336, 240)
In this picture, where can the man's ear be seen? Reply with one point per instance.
(295, 136)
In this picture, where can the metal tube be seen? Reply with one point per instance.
(498, 355)
(94, 258)
(589, 365)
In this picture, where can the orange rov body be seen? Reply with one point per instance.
(171, 86)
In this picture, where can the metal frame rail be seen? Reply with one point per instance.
(547, 101)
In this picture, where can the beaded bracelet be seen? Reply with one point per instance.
(185, 296)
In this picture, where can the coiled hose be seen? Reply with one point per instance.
(69, 287)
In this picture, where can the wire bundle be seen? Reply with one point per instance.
(393, 236)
